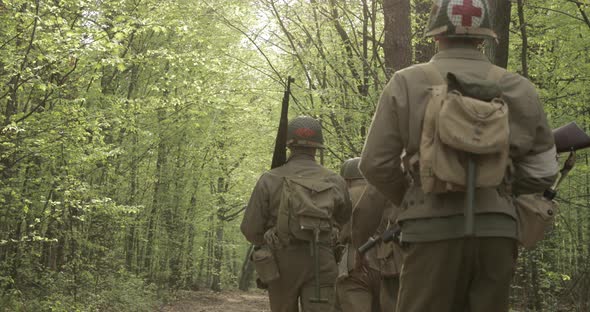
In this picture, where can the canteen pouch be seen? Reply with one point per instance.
(265, 264)
(536, 215)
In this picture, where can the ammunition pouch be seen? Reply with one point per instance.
(265, 264)
(536, 215)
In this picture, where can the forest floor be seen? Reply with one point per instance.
(225, 301)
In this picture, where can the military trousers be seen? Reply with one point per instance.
(457, 275)
(388, 293)
(359, 291)
(296, 284)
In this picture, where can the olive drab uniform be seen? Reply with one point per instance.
(372, 285)
(293, 259)
(444, 271)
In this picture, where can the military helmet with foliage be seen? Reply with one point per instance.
(305, 131)
(350, 169)
(460, 18)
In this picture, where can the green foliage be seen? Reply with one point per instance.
(132, 132)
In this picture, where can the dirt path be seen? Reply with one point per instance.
(227, 301)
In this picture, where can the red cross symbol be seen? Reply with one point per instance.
(467, 12)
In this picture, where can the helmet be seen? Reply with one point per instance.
(350, 169)
(305, 131)
(460, 18)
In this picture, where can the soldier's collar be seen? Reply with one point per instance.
(357, 182)
(464, 53)
(301, 156)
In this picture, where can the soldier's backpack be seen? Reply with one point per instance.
(464, 117)
(306, 208)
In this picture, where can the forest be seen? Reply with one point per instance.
(133, 131)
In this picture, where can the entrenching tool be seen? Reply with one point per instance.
(315, 251)
(468, 213)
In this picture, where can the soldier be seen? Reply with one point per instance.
(289, 266)
(443, 270)
(362, 279)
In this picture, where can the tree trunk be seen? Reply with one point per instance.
(247, 273)
(497, 52)
(218, 257)
(535, 283)
(397, 42)
(156, 200)
(425, 48)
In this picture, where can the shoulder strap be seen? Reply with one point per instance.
(439, 90)
(432, 73)
(496, 73)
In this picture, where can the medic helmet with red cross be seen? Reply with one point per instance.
(460, 18)
(305, 131)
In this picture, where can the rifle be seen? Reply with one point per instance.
(390, 234)
(568, 138)
(279, 156)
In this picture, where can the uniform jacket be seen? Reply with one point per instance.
(262, 209)
(397, 125)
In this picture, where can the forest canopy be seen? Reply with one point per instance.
(133, 131)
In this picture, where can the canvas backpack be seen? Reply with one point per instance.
(305, 209)
(463, 117)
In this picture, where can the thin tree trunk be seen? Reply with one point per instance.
(156, 199)
(247, 273)
(525, 42)
(535, 283)
(218, 257)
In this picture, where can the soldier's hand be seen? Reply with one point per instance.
(272, 239)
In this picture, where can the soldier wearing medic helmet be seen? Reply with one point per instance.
(366, 283)
(290, 261)
(444, 270)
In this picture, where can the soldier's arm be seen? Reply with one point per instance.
(367, 215)
(343, 210)
(256, 214)
(537, 169)
(380, 160)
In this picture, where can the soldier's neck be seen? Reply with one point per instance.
(458, 43)
(307, 156)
